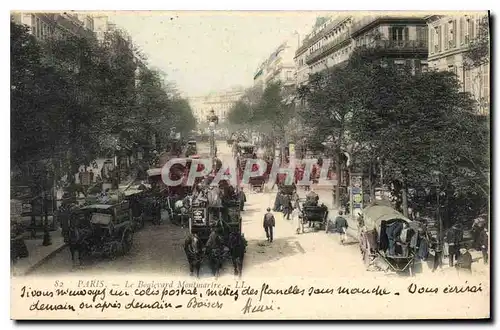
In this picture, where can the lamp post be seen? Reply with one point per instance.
(439, 247)
(213, 120)
(46, 233)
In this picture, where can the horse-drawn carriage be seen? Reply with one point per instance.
(246, 151)
(215, 231)
(99, 229)
(313, 214)
(381, 239)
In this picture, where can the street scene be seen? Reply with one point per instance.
(342, 146)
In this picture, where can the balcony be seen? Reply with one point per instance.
(367, 23)
(328, 48)
(401, 47)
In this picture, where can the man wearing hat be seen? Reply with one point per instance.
(464, 261)
(269, 223)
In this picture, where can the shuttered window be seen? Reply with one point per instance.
(445, 33)
(462, 30)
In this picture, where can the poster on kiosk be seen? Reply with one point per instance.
(356, 194)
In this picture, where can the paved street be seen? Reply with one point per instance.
(159, 249)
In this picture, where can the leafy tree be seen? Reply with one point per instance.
(330, 102)
(416, 123)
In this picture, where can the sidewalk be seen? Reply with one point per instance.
(38, 253)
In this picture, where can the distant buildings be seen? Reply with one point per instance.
(279, 66)
(449, 38)
(220, 102)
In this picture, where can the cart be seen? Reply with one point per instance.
(374, 241)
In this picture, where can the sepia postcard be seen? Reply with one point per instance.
(250, 165)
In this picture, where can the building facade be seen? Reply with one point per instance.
(449, 39)
(56, 25)
(401, 39)
(278, 67)
(220, 102)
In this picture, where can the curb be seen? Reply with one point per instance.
(42, 260)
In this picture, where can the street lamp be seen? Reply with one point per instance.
(46, 233)
(437, 175)
(213, 120)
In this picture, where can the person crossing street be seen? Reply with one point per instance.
(269, 223)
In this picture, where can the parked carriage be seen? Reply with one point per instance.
(374, 239)
(99, 229)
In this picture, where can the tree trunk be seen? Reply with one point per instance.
(338, 175)
(404, 193)
(371, 183)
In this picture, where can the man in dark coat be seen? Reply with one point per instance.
(341, 226)
(453, 238)
(483, 241)
(393, 232)
(269, 223)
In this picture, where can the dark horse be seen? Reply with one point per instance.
(215, 250)
(237, 247)
(76, 236)
(193, 247)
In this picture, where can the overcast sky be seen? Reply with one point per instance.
(211, 51)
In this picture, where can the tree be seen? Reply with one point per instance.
(330, 102)
(418, 123)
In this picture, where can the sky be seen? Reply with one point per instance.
(204, 52)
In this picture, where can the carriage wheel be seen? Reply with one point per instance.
(127, 242)
(113, 250)
(367, 254)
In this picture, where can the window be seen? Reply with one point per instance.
(397, 33)
(468, 81)
(469, 34)
(462, 30)
(289, 75)
(452, 30)
(432, 39)
(422, 34)
(38, 28)
(485, 93)
(437, 39)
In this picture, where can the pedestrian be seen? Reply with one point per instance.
(483, 241)
(287, 206)
(464, 261)
(453, 238)
(341, 227)
(269, 224)
(91, 174)
(277, 202)
(243, 199)
(80, 177)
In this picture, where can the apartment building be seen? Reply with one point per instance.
(402, 39)
(279, 66)
(56, 25)
(449, 38)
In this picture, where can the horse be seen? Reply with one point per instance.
(193, 247)
(237, 247)
(76, 239)
(214, 250)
